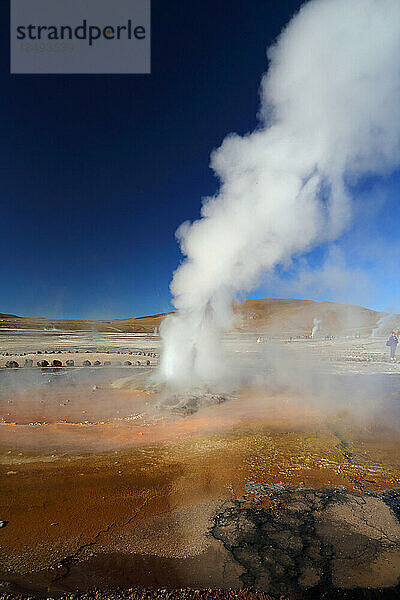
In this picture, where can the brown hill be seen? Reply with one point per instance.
(134, 325)
(296, 317)
(272, 316)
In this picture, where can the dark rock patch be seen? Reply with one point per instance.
(295, 548)
(186, 404)
(12, 364)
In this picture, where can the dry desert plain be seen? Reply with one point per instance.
(290, 486)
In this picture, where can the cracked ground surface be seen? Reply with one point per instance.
(309, 543)
(261, 491)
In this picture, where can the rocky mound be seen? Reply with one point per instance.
(188, 403)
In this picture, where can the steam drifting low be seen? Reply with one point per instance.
(330, 113)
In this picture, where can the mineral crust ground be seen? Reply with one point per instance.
(284, 492)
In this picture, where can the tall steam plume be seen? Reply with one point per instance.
(330, 113)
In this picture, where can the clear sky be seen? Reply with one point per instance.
(98, 171)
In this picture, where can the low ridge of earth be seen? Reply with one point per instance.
(294, 317)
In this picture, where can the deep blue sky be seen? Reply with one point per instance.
(97, 172)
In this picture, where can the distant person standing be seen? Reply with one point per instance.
(392, 342)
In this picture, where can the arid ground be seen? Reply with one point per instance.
(290, 486)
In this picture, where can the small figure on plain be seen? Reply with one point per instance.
(392, 342)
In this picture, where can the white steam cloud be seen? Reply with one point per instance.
(316, 328)
(330, 113)
(383, 325)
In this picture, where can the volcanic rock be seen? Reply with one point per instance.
(12, 364)
(188, 403)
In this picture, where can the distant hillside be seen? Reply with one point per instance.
(270, 316)
(134, 325)
(296, 317)
(4, 316)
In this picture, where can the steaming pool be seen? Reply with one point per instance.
(100, 488)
